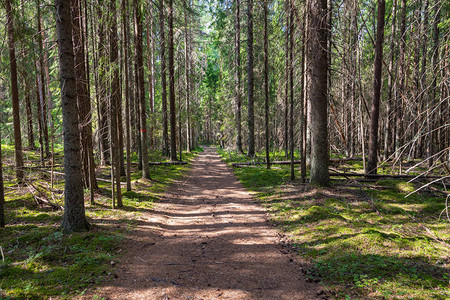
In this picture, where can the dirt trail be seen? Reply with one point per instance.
(208, 239)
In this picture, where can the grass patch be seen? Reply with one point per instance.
(41, 262)
(371, 245)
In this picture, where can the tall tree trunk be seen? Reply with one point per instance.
(103, 107)
(42, 82)
(303, 107)
(83, 99)
(372, 160)
(250, 107)
(423, 84)
(14, 93)
(2, 192)
(401, 78)
(435, 56)
(39, 119)
(137, 109)
(388, 136)
(187, 81)
(162, 29)
(286, 82)
(127, 91)
(74, 218)
(114, 101)
(173, 125)
(141, 89)
(237, 77)
(150, 71)
(291, 88)
(266, 83)
(318, 75)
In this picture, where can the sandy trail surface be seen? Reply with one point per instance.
(208, 239)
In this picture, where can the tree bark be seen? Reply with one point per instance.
(291, 88)
(149, 19)
(162, 29)
(286, 83)
(14, 93)
(114, 101)
(83, 99)
(302, 108)
(30, 131)
(39, 120)
(388, 136)
(141, 89)
(435, 57)
(237, 77)
(401, 78)
(41, 81)
(266, 84)
(187, 81)
(173, 125)
(250, 83)
(372, 160)
(74, 218)
(127, 92)
(103, 105)
(2, 192)
(318, 74)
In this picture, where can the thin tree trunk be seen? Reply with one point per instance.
(302, 109)
(391, 86)
(14, 93)
(291, 88)
(30, 131)
(103, 107)
(237, 77)
(250, 107)
(74, 218)
(401, 78)
(173, 125)
(435, 72)
(114, 101)
(127, 91)
(266, 83)
(165, 149)
(150, 71)
(372, 160)
(2, 192)
(286, 83)
(42, 83)
(187, 82)
(39, 119)
(423, 83)
(141, 90)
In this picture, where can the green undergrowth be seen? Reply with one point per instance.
(363, 241)
(40, 262)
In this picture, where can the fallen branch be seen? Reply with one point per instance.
(167, 163)
(384, 176)
(255, 163)
(40, 197)
(62, 173)
(288, 162)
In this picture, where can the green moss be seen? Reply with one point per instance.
(317, 213)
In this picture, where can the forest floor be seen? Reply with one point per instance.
(207, 238)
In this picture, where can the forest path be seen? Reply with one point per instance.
(208, 239)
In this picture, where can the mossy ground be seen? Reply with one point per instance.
(39, 260)
(365, 240)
